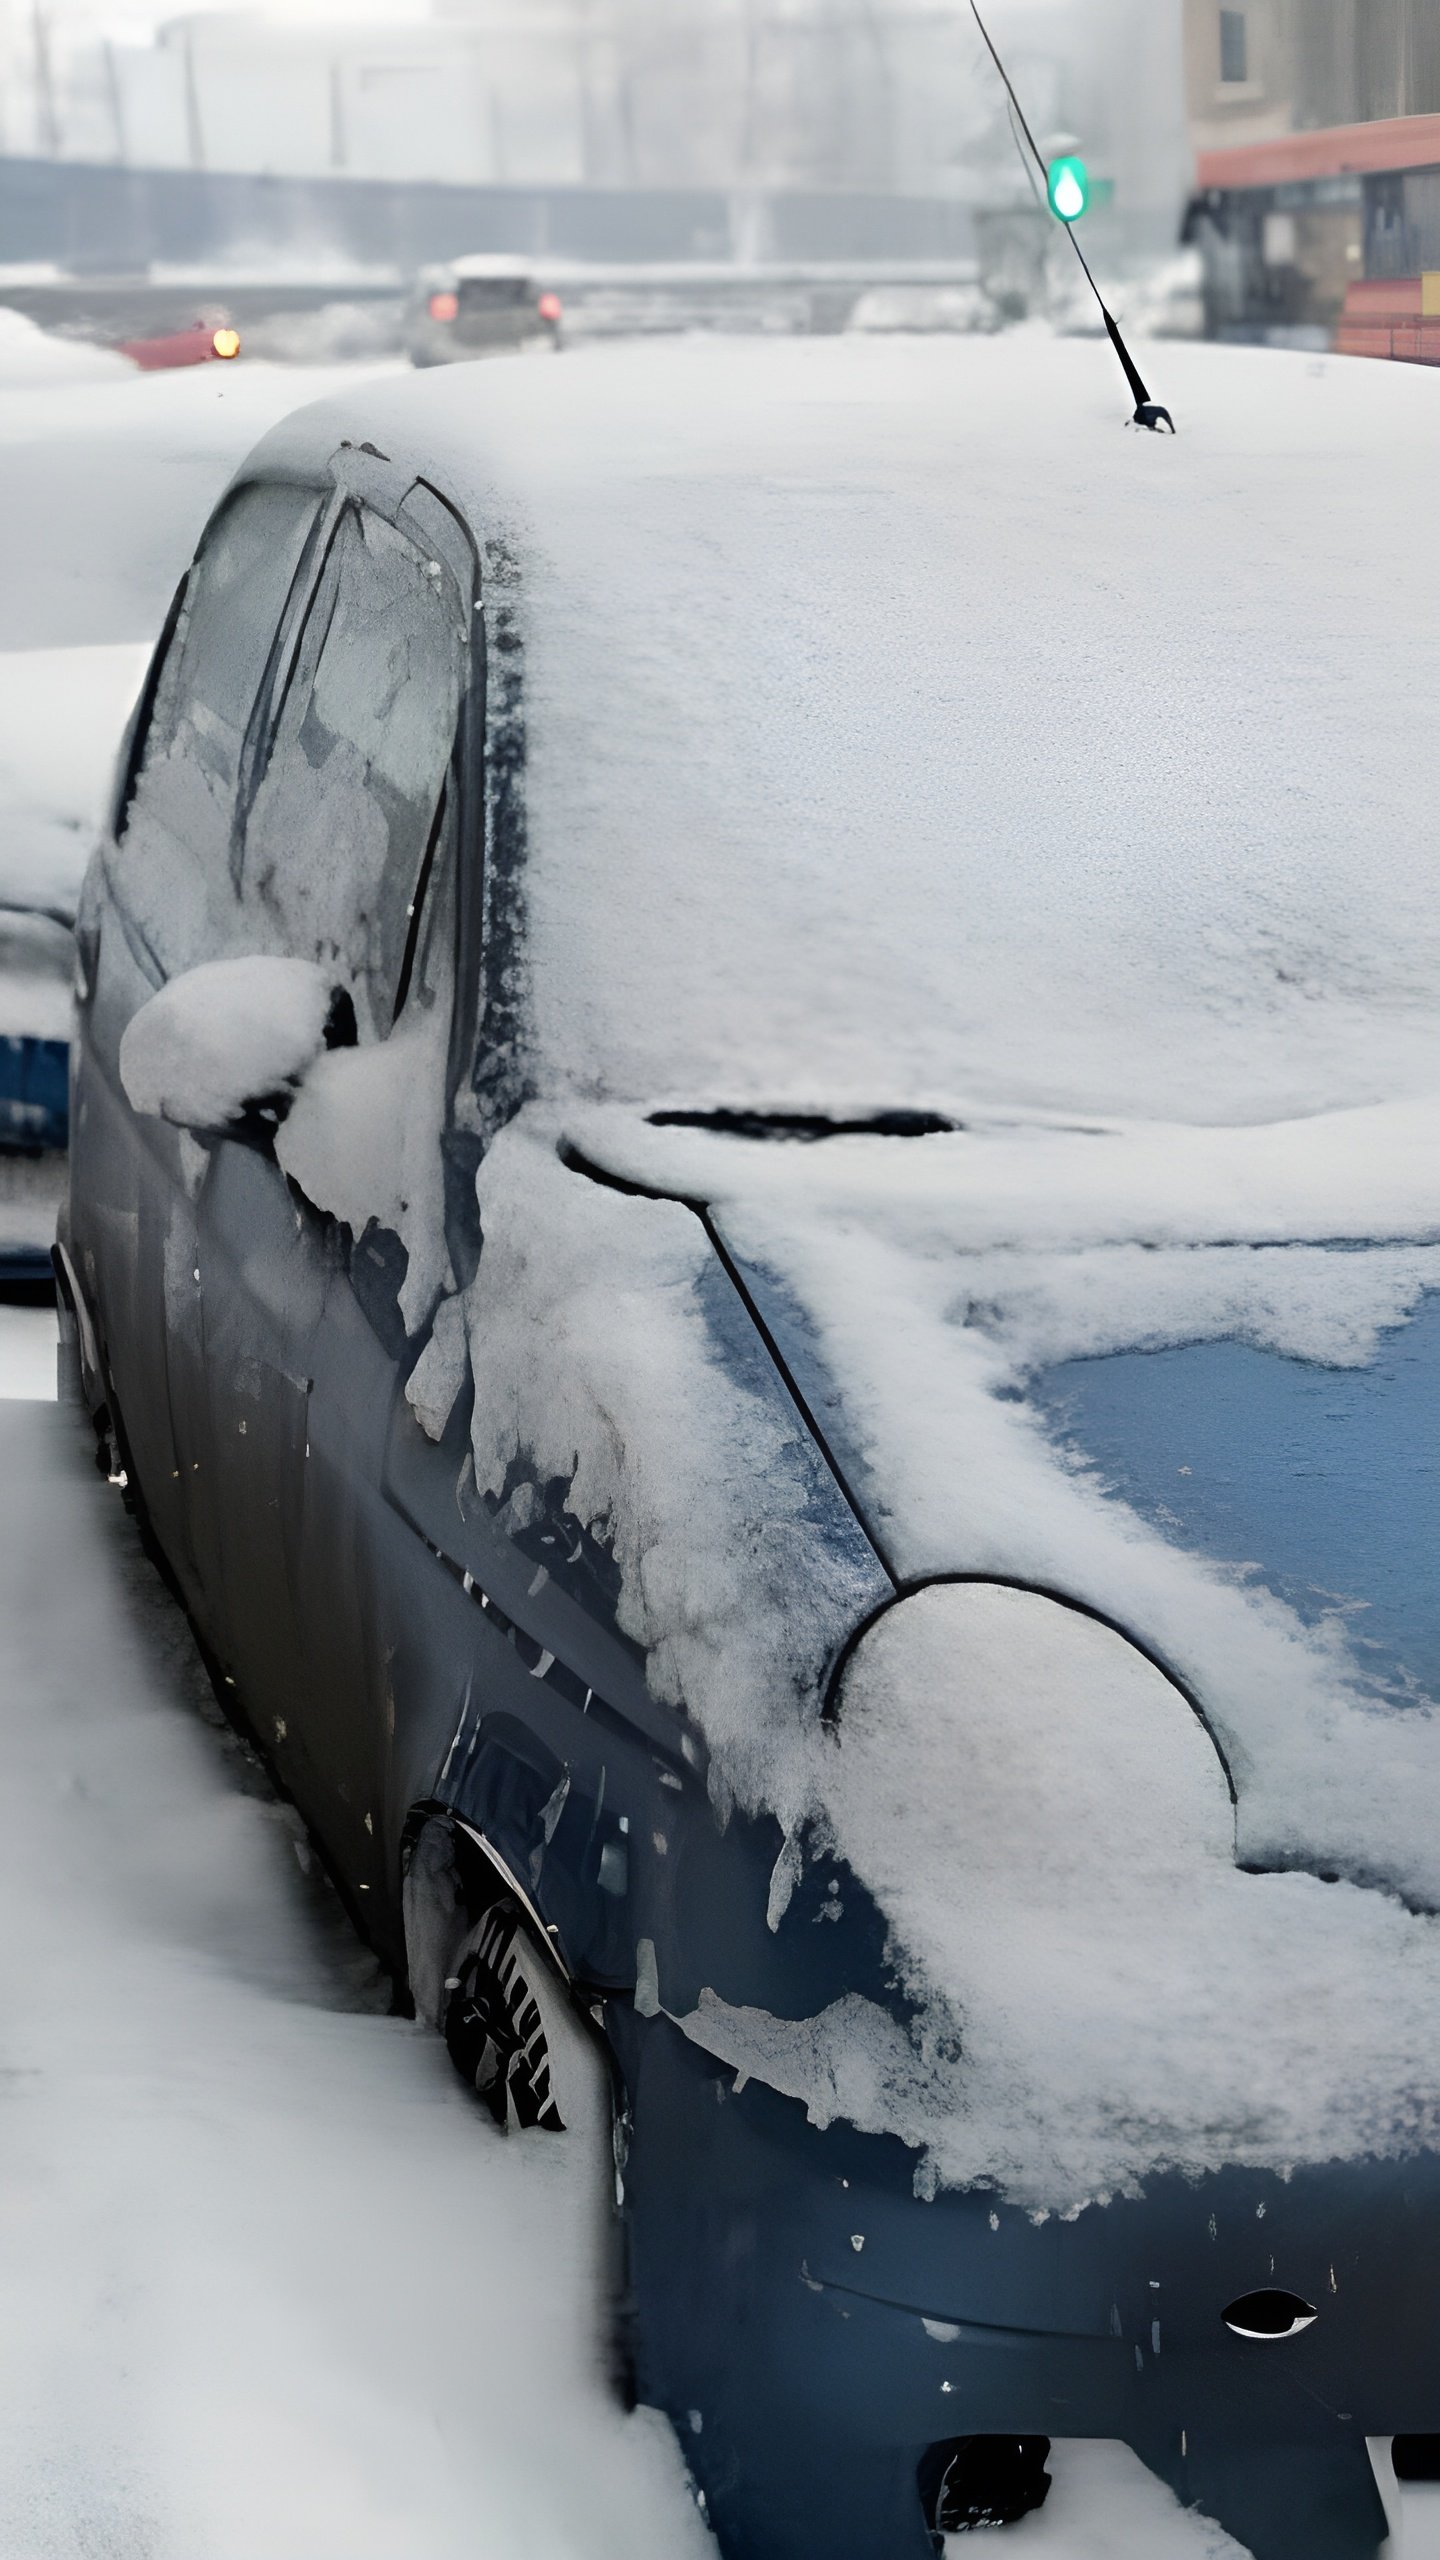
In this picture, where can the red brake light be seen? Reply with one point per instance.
(549, 307)
(444, 306)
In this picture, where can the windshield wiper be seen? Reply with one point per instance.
(808, 1126)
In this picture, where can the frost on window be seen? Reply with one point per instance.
(173, 864)
(336, 841)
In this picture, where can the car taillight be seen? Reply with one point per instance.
(548, 307)
(444, 306)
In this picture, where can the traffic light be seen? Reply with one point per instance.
(1068, 183)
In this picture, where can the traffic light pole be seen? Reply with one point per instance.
(1148, 413)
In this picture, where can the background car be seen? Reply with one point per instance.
(36, 965)
(479, 306)
(567, 1213)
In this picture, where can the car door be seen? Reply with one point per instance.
(346, 858)
(159, 897)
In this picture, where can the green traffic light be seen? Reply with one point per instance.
(1068, 181)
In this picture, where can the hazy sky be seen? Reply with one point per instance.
(103, 17)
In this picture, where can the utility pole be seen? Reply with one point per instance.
(750, 94)
(338, 153)
(195, 131)
(46, 119)
(117, 103)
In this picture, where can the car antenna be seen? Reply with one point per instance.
(1148, 413)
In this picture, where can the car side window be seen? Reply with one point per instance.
(175, 833)
(350, 808)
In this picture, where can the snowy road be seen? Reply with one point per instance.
(27, 1352)
(269, 2283)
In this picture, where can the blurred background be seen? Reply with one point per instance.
(657, 128)
(327, 150)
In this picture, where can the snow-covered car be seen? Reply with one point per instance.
(751, 1207)
(36, 962)
(481, 306)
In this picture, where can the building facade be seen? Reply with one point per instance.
(1316, 128)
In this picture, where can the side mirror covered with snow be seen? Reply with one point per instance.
(231, 1041)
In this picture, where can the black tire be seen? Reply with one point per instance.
(496, 2022)
(978, 2481)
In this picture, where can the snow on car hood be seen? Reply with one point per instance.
(916, 1287)
(913, 1289)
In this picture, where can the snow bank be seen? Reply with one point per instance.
(1104, 2503)
(37, 966)
(229, 1033)
(27, 1353)
(62, 714)
(31, 1190)
(270, 2281)
(34, 359)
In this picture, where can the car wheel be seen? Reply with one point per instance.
(500, 2019)
(978, 2481)
(479, 1973)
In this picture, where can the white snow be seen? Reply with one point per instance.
(881, 1243)
(106, 477)
(359, 1141)
(37, 964)
(591, 1359)
(31, 1189)
(901, 728)
(27, 1353)
(104, 488)
(269, 2282)
(32, 358)
(1048, 1825)
(223, 1035)
(1103, 1991)
(62, 712)
(1104, 2502)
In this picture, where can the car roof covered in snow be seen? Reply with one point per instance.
(901, 728)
